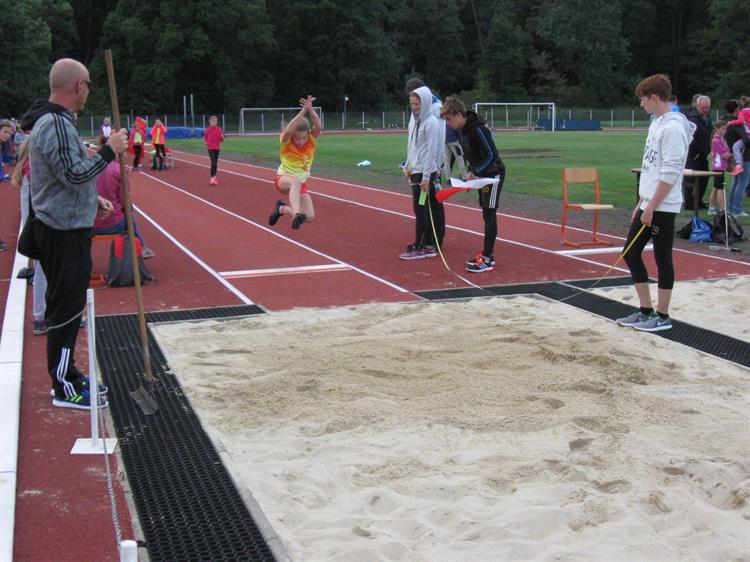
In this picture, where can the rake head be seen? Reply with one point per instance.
(145, 400)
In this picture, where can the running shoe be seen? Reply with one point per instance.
(276, 215)
(711, 211)
(3, 246)
(634, 318)
(474, 260)
(428, 252)
(654, 323)
(412, 253)
(299, 218)
(737, 170)
(25, 273)
(80, 401)
(148, 253)
(482, 265)
(39, 328)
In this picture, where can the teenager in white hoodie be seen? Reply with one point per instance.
(421, 170)
(660, 190)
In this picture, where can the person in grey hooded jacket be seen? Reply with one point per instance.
(422, 170)
(64, 203)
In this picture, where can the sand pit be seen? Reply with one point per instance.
(494, 429)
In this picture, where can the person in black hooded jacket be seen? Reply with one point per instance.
(483, 161)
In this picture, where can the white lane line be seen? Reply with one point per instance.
(590, 251)
(215, 274)
(285, 238)
(246, 273)
(396, 213)
(516, 217)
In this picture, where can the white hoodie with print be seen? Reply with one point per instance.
(424, 148)
(669, 137)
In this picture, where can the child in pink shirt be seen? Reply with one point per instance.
(719, 161)
(212, 138)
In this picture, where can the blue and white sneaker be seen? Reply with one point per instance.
(481, 264)
(654, 323)
(80, 401)
(473, 260)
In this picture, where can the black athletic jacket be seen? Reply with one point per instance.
(479, 147)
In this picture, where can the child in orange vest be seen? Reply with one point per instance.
(136, 141)
(159, 140)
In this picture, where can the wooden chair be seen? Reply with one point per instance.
(589, 176)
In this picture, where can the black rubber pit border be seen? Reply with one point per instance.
(707, 341)
(188, 506)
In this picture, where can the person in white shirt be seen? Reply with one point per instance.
(660, 190)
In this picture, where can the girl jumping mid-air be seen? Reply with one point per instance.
(298, 144)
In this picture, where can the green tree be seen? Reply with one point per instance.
(219, 50)
(58, 15)
(505, 55)
(585, 37)
(27, 47)
(727, 49)
(334, 48)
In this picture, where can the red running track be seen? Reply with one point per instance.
(214, 248)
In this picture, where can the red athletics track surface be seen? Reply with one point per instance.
(214, 248)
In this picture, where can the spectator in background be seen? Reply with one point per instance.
(213, 136)
(159, 140)
(737, 133)
(22, 179)
(699, 151)
(136, 142)
(65, 205)
(6, 130)
(109, 187)
(674, 103)
(105, 129)
(719, 161)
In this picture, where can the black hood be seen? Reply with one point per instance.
(37, 109)
(473, 120)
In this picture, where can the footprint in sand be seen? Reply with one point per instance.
(553, 403)
(600, 425)
(655, 503)
(613, 486)
(578, 444)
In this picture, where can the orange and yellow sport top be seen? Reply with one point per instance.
(296, 162)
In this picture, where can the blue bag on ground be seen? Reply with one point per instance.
(700, 231)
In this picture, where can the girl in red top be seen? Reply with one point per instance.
(136, 141)
(159, 140)
(212, 138)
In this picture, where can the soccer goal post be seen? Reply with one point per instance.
(265, 119)
(517, 114)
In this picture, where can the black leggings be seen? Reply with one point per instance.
(214, 155)
(423, 235)
(137, 148)
(661, 232)
(161, 153)
(490, 231)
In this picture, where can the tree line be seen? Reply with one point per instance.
(235, 53)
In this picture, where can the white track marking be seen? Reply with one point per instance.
(404, 215)
(285, 238)
(385, 191)
(246, 273)
(589, 251)
(234, 290)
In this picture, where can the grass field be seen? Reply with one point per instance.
(534, 160)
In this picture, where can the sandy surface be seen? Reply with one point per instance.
(494, 429)
(722, 305)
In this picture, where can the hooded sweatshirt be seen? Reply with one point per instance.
(436, 106)
(63, 193)
(424, 148)
(479, 147)
(669, 137)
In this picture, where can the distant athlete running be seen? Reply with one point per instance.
(298, 144)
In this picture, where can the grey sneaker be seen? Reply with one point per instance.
(654, 323)
(632, 319)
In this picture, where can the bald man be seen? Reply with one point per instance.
(64, 205)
